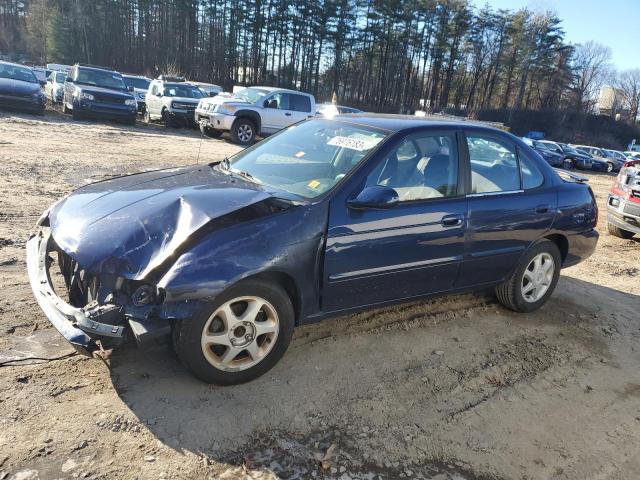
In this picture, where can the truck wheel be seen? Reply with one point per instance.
(534, 280)
(241, 336)
(210, 132)
(619, 232)
(243, 131)
(168, 121)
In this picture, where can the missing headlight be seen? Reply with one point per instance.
(144, 295)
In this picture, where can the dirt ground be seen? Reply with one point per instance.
(457, 388)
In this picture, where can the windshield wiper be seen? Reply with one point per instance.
(246, 175)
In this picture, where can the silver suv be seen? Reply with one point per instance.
(171, 100)
(253, 111)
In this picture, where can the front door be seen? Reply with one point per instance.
(410, 249)
(508, 208)
(276, 113)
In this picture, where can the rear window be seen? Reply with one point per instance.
(299, 103)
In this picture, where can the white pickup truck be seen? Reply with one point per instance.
(253, 111)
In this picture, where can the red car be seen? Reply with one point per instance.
(623, 204)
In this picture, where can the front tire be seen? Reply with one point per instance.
(619, 232)
(240, 337)
(168, 121)
(567, 164)
(243, 131)
(534, 280)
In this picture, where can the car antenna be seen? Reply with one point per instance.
(199, 147)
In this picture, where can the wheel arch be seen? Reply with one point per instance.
(251, 115)
(561, 242)
(289, 285)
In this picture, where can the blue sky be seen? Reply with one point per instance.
(615, 23)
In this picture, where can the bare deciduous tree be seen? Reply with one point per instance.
(591, 66)
(627, 84)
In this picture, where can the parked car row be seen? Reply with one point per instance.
(583, 157)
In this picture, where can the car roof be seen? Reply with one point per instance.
(15, 64)
(395, 123)
(96, 68)
(278, 89)
(130, 75)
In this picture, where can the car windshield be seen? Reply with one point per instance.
(137, 82)
(568, 149)
(541, 146)
(101, 78)
(16, 72)
(60, 77)
(183, 91)
(251, 95)
(306, 159)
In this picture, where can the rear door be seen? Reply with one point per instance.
(411, 249)
(299, 108)
(509, 207)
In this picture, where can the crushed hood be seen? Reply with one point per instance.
(130, 225)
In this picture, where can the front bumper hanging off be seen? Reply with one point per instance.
(78, 326)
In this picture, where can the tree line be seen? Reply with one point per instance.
(383, 55)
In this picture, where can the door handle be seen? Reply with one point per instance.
(451, 220)
(287, 114)
(542, 208)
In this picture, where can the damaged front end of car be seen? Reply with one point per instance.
(114, 260)
(91, 311)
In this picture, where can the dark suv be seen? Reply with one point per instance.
(98, 92)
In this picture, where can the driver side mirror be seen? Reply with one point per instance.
(375, 197)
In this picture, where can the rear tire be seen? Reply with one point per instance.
(221, 345)
(610, 167)
(529, 288)
(243, 131)
(619, 232)
(210, 132)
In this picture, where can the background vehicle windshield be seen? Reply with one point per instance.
(184, 91)
(307, 159)
(17, 72)
(60, 77)
(137, 82)
(251, 95)
(101, 78)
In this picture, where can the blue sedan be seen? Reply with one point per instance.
(327, 217)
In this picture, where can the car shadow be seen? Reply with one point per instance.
(324, 370)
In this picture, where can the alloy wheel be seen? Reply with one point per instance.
(240, 333)
(609, 167)
(537, 277)
(245, 132)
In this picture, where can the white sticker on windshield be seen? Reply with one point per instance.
(359, 144)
